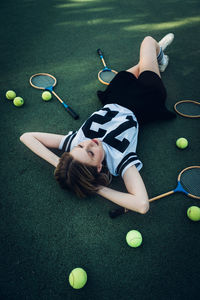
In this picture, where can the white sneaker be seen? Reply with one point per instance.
(166, 41)
(164, 66)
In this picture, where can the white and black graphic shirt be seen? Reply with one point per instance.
(117, 128)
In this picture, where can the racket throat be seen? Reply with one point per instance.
(106, 69)
(180, 189)
(49, 88)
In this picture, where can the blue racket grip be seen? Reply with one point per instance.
(70, 111)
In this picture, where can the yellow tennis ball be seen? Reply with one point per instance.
(10, 95)
(18, 101)
(46, 96)
(134, 238)
(193, 213)
(77, 278)
(182, 143)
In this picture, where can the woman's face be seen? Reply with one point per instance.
(90, 152)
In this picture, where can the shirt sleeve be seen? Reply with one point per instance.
(128, 161)
(138, 165)
(65, 142)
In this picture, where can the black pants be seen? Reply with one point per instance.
(145, 95)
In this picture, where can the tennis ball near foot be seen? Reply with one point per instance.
(77, 278)
(46, 96)
(10, 95)
(182, 143)
(193, 213)
(18, 101)
(134, 238)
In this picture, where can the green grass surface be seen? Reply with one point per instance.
(45, 231)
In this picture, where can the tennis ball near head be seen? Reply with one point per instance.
(46, 96)
(10, 95)
(77, 278)
(193, 213)
(18, 101)
(134, 238)
(182, 143)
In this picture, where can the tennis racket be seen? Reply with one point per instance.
(105, 75)
(44, 81)
(188, 183)
(188, 108)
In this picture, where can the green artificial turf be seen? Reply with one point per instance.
(46, 232)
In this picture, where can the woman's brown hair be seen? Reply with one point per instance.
(83, 179)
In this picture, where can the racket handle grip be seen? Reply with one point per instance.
(99, 52)
(71, 112)
(117, 212)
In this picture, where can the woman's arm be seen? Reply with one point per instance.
(39, 143)
(136, 199)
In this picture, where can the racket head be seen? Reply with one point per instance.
(190, 181)
(106, 75)
(43, 81)
(188, 108)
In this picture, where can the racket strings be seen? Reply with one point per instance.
(190, 180)
(43, 81)
(107, 75)
(188, 108)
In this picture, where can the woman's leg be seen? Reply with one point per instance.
(152, 57)
(134, 70)
(149, 51)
